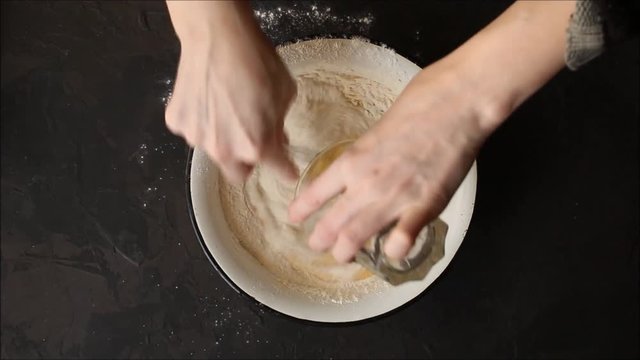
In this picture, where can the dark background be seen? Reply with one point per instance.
(99, 258)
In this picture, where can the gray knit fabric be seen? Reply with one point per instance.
(585, 35)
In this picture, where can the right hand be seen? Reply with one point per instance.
(232, 90)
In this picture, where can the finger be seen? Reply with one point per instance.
(326, 231)
(409, 225)
(246, 148)
(233, 170)
(360, 229)
(323, 188)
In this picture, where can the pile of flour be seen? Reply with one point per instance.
(330, 106)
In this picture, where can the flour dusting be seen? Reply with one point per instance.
(304, 19)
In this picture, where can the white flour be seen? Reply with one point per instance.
(330, 106)
(304, 19)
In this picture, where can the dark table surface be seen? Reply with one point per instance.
(99, 258)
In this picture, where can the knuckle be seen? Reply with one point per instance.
(377, 188)
(408, 193)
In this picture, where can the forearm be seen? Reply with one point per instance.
(203, 21)
(221, 33)
(513, 57)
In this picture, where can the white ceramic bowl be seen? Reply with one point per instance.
(245, 273)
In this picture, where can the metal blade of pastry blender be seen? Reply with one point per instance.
(415, 268)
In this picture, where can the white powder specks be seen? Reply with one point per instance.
(305, 20)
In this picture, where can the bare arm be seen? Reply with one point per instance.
(409, 165)
(207, 20)
(515, 55)
(232, 89)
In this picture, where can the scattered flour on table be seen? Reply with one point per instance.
(304, 19)
(330, 106)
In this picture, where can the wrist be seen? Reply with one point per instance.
(510, 59)
(483, 107)
(491, 99)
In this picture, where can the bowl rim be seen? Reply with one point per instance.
(256, 303)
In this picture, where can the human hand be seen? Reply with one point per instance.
(232, 90)
(404, 169)
(409, 165)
